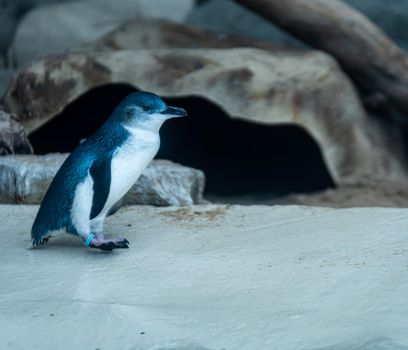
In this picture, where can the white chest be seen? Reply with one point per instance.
(129, 162)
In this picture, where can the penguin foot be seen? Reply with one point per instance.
(96, 240)
(109, 245)
(99, 242)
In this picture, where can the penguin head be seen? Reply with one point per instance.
(145, 109)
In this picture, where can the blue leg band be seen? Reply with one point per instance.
(89, 240)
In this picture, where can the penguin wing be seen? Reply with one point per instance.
(101, 176)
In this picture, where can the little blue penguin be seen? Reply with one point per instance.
(100, 171)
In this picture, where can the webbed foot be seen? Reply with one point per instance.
(97, 241)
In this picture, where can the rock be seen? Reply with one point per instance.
(154, 33)
(6, 75)
(225, 16)
(164, 183)
(12, 12)
(380, 194)
(25, 179)
(81, 21)
(390, 16)
(211, 277)
(306, 88)
(12, 135)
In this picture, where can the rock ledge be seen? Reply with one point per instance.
(25, 179)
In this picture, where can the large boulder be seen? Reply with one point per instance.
(306, 88)
(76, 22)
(11, 13)
(154, 33)
(12, 135)
(6, 75)
(25, 179)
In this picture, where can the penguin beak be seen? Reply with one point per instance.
(174, 112)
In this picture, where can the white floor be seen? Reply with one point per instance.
(211, 278)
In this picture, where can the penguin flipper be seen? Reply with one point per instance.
(101, 175)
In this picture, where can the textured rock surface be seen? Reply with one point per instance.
(378, 195)
(304, 88)
(381, 194)
(153, 33)
(164, 183)
(25, 179)
(12, 135)
(211, 278)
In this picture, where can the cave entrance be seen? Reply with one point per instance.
(244, 162)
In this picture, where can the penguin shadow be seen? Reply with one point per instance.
(176, 345)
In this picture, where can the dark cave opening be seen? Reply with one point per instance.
(239, 158)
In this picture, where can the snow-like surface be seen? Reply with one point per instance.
(211, 277)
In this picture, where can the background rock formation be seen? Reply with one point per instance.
(375, 63)
(306, 88)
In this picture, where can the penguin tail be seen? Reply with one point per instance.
(37, 238)
(38, 235)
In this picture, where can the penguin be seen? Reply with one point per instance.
(99, 172)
